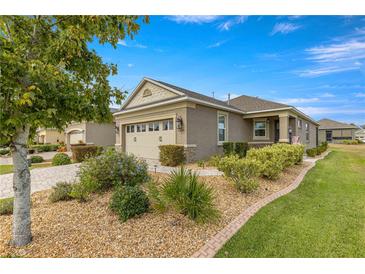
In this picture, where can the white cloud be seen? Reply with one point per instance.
(299, 100)
(130, 65)
(360, 94)
(135, 45)
(325, 110)
(227, 25)
(122, 43)
(319, 71)
(193, 19)
(284, 28)
(216, 45)
(327, 95)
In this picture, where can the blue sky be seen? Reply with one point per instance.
(315, 63)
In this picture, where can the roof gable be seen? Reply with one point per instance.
(148, 92)
(331, 124)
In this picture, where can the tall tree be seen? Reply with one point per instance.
(49, 77)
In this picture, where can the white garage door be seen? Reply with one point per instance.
(143, 139)
(76, 137)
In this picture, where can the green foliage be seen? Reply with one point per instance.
(155, 195)
(351, 142)
(61, 159)
(4, 151)
(80, 153)
(201, 163)
(242, 172)
(214, 160)
(109, 169)
(183, 191)
(6, 206)
(61, 192)
(50, 76)
(228, 148)
(241, 148)
(172, 155)
(128, 202)
(274, 159)
(81, 191)
(311, 152)
(44, 148)
(36, 159)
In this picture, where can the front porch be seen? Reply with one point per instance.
(270, 128)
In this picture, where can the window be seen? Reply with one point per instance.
(150, 127)
(128, 129)
(147, 92)
(138, 128)
(143, 127)
(156, 126)
(307, 132)
(222, 128)
(260, 128)
(167, 124)
(299, 123)
(132, 128)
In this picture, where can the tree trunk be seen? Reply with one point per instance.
(22, 234)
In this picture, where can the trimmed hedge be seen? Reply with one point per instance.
(45, 147)
(61, 159)
(312, 152)
(228, 148)
(172, 155)
(241, 148)
(80, 153)
(36, 159)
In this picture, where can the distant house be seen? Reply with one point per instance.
(158, 113)
(335, 132)
(100, 134)
(49, 136)
(360, 135)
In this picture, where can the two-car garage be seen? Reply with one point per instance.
(143, 139)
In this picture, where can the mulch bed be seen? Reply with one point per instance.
(72, 229)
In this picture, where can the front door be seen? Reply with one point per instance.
(277, 131)
(329, 135)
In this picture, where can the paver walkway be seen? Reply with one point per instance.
(46, 178)
(41, 178)
(219, 239)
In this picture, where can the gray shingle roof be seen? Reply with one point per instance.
(331, 124)
(249, 103)
(196, 95)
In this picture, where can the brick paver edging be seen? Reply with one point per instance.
(219, 239)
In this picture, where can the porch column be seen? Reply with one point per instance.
(284, 128)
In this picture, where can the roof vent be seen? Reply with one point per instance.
(229, 99)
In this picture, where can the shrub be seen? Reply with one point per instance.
(155, 196)
(184, 192)
(109, 169)
(36, 159)
(129, 201)
(201, 163)
(242, 172)
(80, 192)
(351, 142)
(311, 152)
(214, 160)
(271, 161)
(6, 206)
(240, 148)
(172, 155)
(80, 153)
(61, 192)
(4, 151)
(45, 147)
(61, 159)
(228, 148)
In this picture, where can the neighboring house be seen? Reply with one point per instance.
(158, 113)
(360, 135)
(101, 134)
(335, 132)
(49, 136)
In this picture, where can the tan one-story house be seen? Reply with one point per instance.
(100, 134)
(360, 135)
(335, 132)
(49, 136)
(157, 113)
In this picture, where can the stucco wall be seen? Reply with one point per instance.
(101, 134)
(312, 134)
(339, 133)
(202, 130)
(53, 135)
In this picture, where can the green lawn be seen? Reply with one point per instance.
(4, 169)
(323, 217)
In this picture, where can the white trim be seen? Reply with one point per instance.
(267, 129)
(75, 129)
(141, 83)
(260, 142)
(190, 145)
(226, 136)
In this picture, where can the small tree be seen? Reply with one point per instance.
(49, 77)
